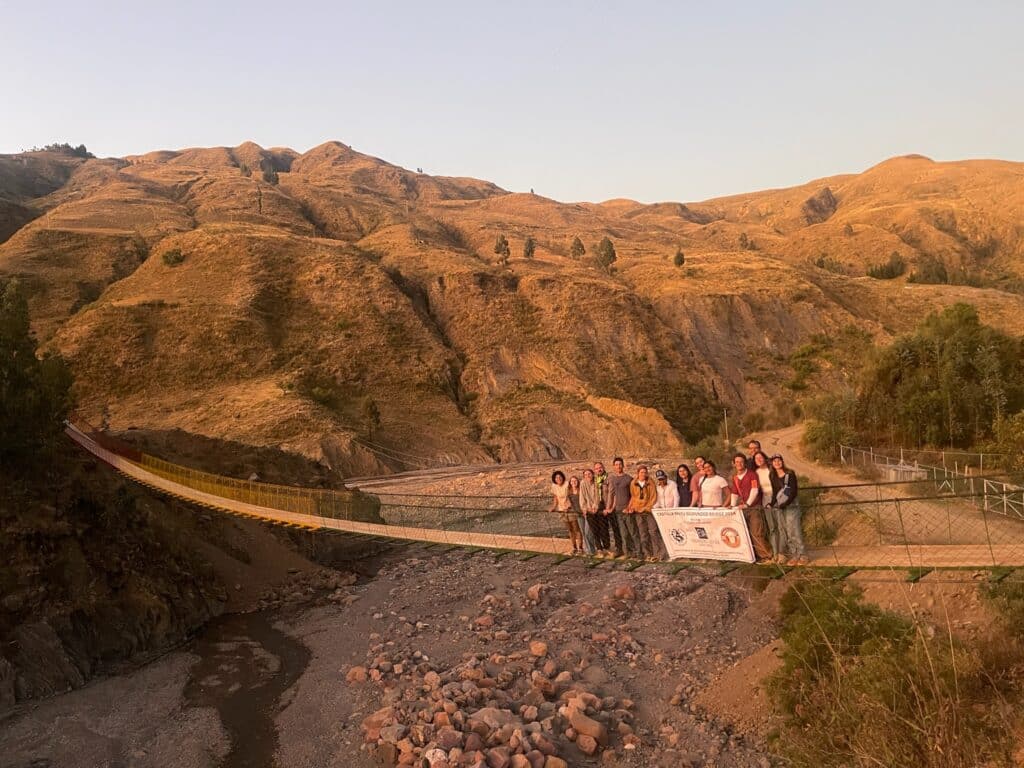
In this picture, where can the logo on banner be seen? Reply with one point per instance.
(731, 537)
(677, 536)
(701, 533)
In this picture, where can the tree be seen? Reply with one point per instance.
(35, 394)
(529, 246)
(576, 250)
(371, 416)
(949, 383)
(680, 259)
(502, 249)
(746, 243)
(604, 254)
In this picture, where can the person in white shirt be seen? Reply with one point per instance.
(714, 490)
(668, 493)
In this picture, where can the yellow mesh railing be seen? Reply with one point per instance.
(306, 501)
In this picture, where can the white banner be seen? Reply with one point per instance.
(705, 533)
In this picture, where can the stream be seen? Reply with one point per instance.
(245, 666)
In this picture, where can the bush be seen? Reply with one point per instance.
(679, 259)
(860, 686)
(829, 264)
(830, 422)
(890, 270)
(930, 270)
(173, 257)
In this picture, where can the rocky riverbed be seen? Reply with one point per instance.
(442, 658)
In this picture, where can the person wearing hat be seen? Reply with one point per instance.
(668, 498)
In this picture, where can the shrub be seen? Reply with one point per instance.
(529, 246)
(829, 264)
(245, 170)
(890, 270)
(860, 686)
(270, 175)
(679, 259)
(930, 270)
(173, 257)
(830, 422)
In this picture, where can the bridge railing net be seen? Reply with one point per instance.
(307, 501)
(950, 522)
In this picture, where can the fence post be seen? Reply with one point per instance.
(878, 513)
(903, 530)
(988, 536)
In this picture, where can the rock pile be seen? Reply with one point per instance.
(520, 710)
(324, 585)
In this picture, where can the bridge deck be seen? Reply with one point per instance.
(894, 556)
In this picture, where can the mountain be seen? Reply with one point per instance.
(333, 305)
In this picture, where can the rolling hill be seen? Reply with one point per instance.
(333, 305)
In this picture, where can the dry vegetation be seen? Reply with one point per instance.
(339, 307)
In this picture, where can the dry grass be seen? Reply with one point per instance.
(383, 279)
(861, 686)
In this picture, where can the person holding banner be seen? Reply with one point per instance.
(696, 480)
(713, 490)
(683, 485)
(747, 496)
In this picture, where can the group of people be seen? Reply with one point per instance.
(610, 515)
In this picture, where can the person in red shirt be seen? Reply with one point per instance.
(746, 493)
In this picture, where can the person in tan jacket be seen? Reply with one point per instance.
(637, 515)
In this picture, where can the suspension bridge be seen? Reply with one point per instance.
(892, 542)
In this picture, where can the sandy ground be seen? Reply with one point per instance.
(140, 720)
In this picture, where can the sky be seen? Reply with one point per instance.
(576, 100)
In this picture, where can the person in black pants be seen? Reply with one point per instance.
(618, 484)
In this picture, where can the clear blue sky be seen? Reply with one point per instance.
(579, 100)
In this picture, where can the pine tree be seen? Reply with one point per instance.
(577, 250)
(604, 254)
(528, 248)
(501, 248)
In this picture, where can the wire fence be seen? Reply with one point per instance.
(897, 460)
